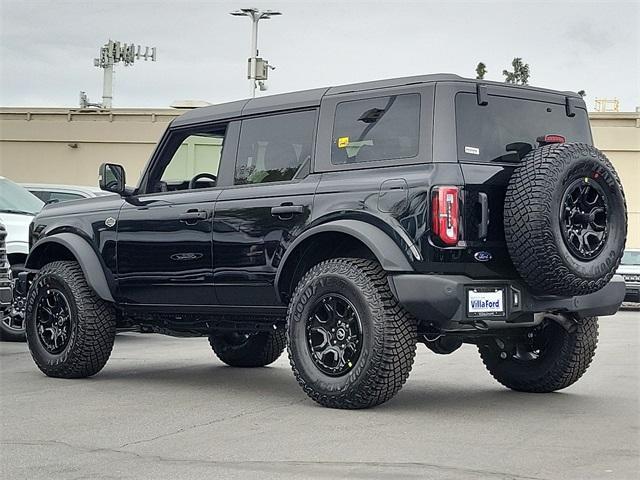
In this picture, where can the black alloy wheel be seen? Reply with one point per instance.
(583, 218)
(537, 343)
(546, 358)
(334, 335)
(351, 344)
(53, 321)
(70, 330)
(13, 323)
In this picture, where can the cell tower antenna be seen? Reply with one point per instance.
(111, 53)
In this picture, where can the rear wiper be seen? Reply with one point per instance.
(516, 151)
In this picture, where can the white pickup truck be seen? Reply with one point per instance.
(17, 208)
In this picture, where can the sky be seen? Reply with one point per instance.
(47, 47)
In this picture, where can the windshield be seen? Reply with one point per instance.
(631, 257)
(16, 199)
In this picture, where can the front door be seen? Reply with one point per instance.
(269, 203)
(164, 239)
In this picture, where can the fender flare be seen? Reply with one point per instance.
(90, 263)
(386, 251)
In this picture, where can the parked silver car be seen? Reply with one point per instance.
(630, 269)
(49, 193)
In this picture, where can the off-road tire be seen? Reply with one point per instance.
(389, 335)
(258, 349)
(532, 223)
(571, 356)
(93, 323)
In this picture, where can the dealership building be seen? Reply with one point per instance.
(66, 146)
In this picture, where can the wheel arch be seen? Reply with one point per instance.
(69, 246)
(345, 238)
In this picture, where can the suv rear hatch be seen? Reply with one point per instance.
(494, 131)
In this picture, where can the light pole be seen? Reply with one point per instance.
(255, 15)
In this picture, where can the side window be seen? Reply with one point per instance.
(382, 128)
(275, 148)
(191, 160)
(42, 195)
(64, 196)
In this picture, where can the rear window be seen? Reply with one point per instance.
(497, 130)
(382, 128)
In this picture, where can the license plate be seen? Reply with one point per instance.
(485, 302)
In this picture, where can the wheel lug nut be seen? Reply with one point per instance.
(503, 355)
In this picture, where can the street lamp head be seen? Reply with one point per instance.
(250, 12)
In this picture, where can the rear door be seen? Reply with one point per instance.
(492, 135)
(268, 202)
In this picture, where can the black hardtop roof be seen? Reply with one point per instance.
(311, 98)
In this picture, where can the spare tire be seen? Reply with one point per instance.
(565, 219)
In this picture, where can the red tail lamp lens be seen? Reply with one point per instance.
(445, 214)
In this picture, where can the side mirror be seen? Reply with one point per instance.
(112, 178)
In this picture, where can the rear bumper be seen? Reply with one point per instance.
(441, 300)
(6, 296)
(632, 293)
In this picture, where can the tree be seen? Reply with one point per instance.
(481, 71)
(520, 74)
(582, 93)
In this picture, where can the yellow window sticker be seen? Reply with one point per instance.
(343, 142)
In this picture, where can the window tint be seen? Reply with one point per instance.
(374, 129)
(274, 148)
(506, 125)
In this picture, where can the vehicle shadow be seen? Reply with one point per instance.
(277, 382)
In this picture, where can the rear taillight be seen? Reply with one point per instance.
(445, 214)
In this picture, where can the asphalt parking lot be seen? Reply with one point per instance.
(166, 408)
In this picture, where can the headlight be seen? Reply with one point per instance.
(631, 278)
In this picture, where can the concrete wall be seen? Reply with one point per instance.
(39, 145)
(67, 146)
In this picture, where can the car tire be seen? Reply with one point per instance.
(7, 332)
(12, 320)
(565, 219)
(564, 358)
(70, 330)
(249, 350)
(351, 345)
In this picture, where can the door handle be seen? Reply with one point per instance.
(191, 217)
(287, 210)
(483, 228)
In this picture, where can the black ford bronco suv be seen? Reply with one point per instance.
(347, 224)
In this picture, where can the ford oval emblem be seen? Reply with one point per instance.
(482, 256)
